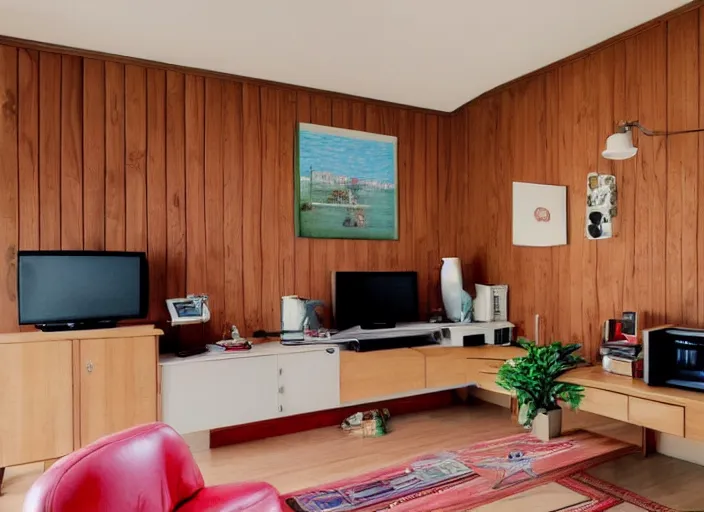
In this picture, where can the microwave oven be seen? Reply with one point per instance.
(674, 356)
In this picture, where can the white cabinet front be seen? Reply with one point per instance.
(212, 394)
(309, 381)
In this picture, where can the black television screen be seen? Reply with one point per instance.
(56, 287)
(368, 298)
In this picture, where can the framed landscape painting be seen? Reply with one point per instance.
(345, 184)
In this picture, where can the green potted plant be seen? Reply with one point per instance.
(533, 378)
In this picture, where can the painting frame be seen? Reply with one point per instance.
(354, 193)
(539, 215)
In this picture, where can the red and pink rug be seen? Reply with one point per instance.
(513, 473)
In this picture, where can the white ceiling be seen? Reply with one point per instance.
(436, 54)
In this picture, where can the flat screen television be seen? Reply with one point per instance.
(58, 290)
(374, 299)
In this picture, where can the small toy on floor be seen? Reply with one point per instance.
(372, 423)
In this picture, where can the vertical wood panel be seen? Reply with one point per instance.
(700, 186)
(302, 245)
(175, 185)
(388, 249)
(252, 202)
(651, 171)
(114, 156)
(431, 207)
(196, 261)
(444, 187)
(407, 165)
(214, 198)
(270, 293)
(156, 192)
(682, 156)
(94, 154)
(286, 133)
(233, 207)
(50, 151)
(28, 150)
(558, 323)
(71, 153)
(136, 158)
(9, 188)
(415, 195)
(284, 185)
(586, 134)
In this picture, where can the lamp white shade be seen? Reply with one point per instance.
(619, 146)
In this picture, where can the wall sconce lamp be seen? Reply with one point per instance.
(619, 146)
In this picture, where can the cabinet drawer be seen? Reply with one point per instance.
(488, 381)
(657, 416)
(445, 372)
(605, 403)
(365, 375)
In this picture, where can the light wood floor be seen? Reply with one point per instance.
(310, 458)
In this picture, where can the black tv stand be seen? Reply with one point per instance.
(77, 326)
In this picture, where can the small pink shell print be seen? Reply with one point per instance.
(542, 214)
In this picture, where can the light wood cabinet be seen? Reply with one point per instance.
(36, 401)
(379, 374)
(117, 385)
(61, 390)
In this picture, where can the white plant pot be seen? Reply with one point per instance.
(451, 285)
(548, 425)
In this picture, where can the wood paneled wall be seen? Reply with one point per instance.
(551, 128)
(197, 171)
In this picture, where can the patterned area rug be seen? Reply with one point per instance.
(513, 473)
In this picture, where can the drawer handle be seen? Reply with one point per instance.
(281, 408)
(330, 350)
(281, 390)
(90, 367)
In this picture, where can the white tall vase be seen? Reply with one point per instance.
(451, 286)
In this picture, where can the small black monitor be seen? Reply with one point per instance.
(374, 299)
(66, 289)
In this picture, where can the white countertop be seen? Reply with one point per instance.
(258, 349)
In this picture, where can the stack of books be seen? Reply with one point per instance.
(622, 358)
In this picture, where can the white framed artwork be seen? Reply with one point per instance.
(539, 215)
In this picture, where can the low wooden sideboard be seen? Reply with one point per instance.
(387, 374)
(61, 390)
(669, 410)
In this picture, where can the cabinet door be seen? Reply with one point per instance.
(309, 381)
(369, 376)
(118, 385)
(203, 395)
(36, 401)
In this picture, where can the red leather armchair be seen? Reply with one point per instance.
(144, 469)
